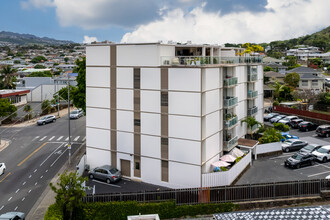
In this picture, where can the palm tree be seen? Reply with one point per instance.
(251, 122)
(278, 89)
(7, 77)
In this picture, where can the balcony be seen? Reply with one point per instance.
(252, 77)
(252, 111)
(230, 122)
(230, 102)
(230, 144)
(206, 60)
(230, 82)
(252, 94)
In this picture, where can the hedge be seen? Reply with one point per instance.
(120, 210)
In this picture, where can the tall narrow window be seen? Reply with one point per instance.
(164, 171)
(136, 78)
(164, 99)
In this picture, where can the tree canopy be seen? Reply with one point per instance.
(292, 79)
(7, 109)
(7, 77)
(38, 59)
(79, 93)
(41, 74)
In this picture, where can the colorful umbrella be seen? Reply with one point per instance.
(228, 158)
(220, 164)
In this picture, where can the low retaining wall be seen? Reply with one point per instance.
(268, 148)
(298, 112)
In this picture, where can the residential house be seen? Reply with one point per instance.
(309, 78)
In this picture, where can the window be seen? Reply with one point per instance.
(315, 82)
(164, 165)
(137, 165)
(136, 78)
(304, 82)
(164, 99)
(164, 141)
(137, 122)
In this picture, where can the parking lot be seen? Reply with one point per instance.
(271, 169)
(122, 186)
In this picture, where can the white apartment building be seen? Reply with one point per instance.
(163, 113)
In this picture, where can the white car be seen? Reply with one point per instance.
(2, 168)
(287, 119)
(323, 153)
(75, 114)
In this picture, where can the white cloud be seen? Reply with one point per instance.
(283, 19)
(88, 40)
(37, 3)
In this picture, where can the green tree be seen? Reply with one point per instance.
(63, 93)
(7, 110)
(46, 107)
(281, 127)
(292, 79)
(324, 98)
(79, 93)
(250, 122)
(17, 62)
(41, 74)
(291, 62)
(69, 192)
(268, 68)
(7, 77)
(28, 110)
(278, 88)
(39, 66)
(66, 59)
(270, 135)
(38, 59)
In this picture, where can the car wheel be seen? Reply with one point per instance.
(327, 135)
(306, 129)
(108, 181)
(91, 176)
(298, 166)
(287, 150)
(43, 123)
(324, 159)
(54, 120)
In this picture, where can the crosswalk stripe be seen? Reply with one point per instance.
(66, 139)
(51, 138)
(43, 138)
(84, 138)
(36, 138)
(76, 139)
(59, 138)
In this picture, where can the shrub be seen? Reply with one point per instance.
(120, 210)
(270, 135)
(281, 127)
(223, 169)
(27, 117)
(276, 103)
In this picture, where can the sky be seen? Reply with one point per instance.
(134, 21)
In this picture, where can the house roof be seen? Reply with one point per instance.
(12, 92)
(274, 74)
(311, 76)
(275, 65)
(303, 69)
(271, 60)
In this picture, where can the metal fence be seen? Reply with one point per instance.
(237, 193)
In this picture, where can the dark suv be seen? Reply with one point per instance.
(298, 160)
(323, 130)
(294, 123)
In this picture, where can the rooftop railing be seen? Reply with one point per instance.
(206, 60)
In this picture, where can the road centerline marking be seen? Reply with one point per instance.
(17, 191)
(5, 177)
(35, 151)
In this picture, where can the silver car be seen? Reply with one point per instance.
(12, 216)
(46, 119)
(75, 114)
(106, 173)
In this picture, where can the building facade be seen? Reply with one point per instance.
(163, 113)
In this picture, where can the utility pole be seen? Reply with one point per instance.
(69, 144)
(58, 101)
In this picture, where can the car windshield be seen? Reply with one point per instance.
(286, 119)
(288, 141)
(43, 118)
(309, 147)
(289, 136)
(297, 157)
(74, 112)
(322, 150)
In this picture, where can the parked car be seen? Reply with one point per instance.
(323, 153)
(269, 116)
(75, 114)
(308, 149)
(106, 173)
(287, 119)
(277, 118)
(286, 136)
(294, 123)
(323, 130)
(46, 119)
(307, 126)
(12, 216)
(298, 160)
(2, 168)
(292, 144)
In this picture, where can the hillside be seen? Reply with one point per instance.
(319, 39)
(25, 39)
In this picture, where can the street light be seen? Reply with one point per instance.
(69, 144)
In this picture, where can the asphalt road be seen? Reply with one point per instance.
(33, 158)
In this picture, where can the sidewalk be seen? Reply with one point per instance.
(4, 144)
(47, 198)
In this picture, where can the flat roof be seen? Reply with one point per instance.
(12, 92)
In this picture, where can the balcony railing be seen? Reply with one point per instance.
(253, 129)
(230, 144)
(252, 94)
(230, 122)
(252, 77)
(252, 111)
(230, 102)
(206, 60)
(230, 82)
